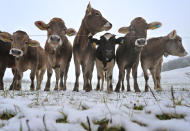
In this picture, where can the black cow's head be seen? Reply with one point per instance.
(106, 45)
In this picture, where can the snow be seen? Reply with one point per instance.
(41, 109)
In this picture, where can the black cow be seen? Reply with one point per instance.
(105, 58)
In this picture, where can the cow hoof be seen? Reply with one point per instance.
(159, 89)
(128, 90)
(137, 90)
(76, 89)
(117, 90)
(31, 89)
(88, 90)
(63, 88)
(55, 89)
(37, 89)
(47, 89)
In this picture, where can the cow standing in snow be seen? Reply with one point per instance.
(105, 58)
(152, 55)
(128, 54)
(58, 50)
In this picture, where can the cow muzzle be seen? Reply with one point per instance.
(55, 39)
(140, 42)
(16, 52)
(107, 26)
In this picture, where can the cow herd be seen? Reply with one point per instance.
(20, 53)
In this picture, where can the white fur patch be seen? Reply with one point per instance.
(60, 42)
(11, 53)
(108, 36)
(137, 44)
(107, 25)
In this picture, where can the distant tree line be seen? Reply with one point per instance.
(176, 64)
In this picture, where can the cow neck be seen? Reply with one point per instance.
(82, 35)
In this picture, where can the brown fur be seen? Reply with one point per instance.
(33, 58)
(58, 52)
(84, 53)
(127, 55)
(152, 56)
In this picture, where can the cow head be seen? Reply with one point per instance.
(5, 37)
(56, 31)
(174, 45)
(106, 45)
(94, 21)
(20, 43)
(137, 31)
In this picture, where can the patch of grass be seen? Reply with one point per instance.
(103, 126)
(6, 116)
(140, 107)
(62, 120)
(167, 116)
(139, 123)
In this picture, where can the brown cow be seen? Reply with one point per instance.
(84, 53)
(6, 60)
(152, 55)
(127, 55)
(58, 50)
(28, 55)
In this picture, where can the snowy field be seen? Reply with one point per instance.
(79, 111)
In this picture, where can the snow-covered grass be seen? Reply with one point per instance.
(73, 111)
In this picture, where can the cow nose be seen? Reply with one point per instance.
(55, 38)
(15, 52)
(140, 42)
(108, 26)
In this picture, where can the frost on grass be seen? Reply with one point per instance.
(71, 111)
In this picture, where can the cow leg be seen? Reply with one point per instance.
(77, 73)
(102, 77)
(134, 73)
(109, 83)
(121, 78)
(158, 76)
(98, 84)
(153, 73)
(146, 77)
(32, 76)
(65, 77)
(2, 72)
(40, 78)
(128, 79)
(49, 74)
(14, 79)
(57, 75)
(18, 80)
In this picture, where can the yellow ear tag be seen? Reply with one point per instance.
(155, 26)
(71, 34)
(6, 40)
(32, 44)
(94, 44)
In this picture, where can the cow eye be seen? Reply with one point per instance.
(179, 40)
(97, 14)
(26, 42)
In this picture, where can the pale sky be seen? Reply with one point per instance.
(21, 15)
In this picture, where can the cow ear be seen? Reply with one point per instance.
(154, 25)
(41, 25)
(5, 37)
(93, 41)
(71, 32)
(120, 40)
(89, 9)
(33, 43)
(172, 35)
(124, 30)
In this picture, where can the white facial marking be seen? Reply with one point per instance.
(55, 36)
(107, 25)
(11, 53)
(108, 36)
(138, 45)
